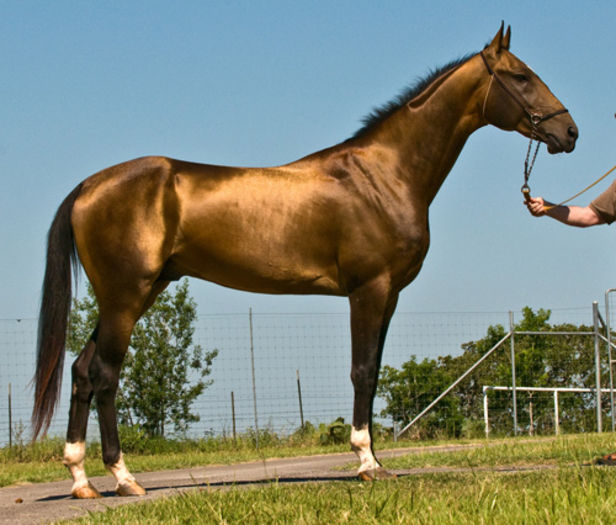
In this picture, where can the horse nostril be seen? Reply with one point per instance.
(573, 132)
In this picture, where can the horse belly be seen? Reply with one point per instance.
(247, 266)
(259, 248)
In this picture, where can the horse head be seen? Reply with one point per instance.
(517, 99)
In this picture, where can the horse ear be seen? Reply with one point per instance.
(497, 42)
(507, 40)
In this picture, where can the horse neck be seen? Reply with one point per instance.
(427, 134)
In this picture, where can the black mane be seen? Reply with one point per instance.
(381, 113)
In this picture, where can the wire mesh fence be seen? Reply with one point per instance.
(315, 346)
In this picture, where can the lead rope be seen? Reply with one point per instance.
(528, 167)
(546, 208)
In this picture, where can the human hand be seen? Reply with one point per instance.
(536, 206)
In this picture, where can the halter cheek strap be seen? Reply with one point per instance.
(485, 100)
(534, 117)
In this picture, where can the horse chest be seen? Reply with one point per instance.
(409, 252)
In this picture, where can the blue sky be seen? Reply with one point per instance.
(86, 85)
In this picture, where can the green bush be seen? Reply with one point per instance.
(335, 433)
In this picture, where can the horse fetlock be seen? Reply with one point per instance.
(74, 453)
(361, 444)
(74, 456)
(127, 485)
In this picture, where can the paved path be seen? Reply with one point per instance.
(47, 502)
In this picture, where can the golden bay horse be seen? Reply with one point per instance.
(351, 220)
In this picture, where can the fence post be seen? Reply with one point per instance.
(608, 329)
(556, 420)
(513, 380)
(486, 418)
(254, 387)
(299, 395)
(10, 420)
(233, 416)
(595, 320)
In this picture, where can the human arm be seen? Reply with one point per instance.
(571, 215)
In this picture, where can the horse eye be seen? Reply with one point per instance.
(520, 77)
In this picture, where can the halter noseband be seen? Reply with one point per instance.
(534, 117)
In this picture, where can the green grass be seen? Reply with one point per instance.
(563, 495)
(576, 449)
(42, 461)
(569, 491)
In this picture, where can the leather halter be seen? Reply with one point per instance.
(534, 117)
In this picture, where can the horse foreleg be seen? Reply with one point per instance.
(105, 375)
(75, 447)
(371, 310)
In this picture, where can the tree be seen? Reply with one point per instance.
(409, 390)
(540, 361)
(163, 371)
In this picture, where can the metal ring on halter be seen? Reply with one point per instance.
(525, 189)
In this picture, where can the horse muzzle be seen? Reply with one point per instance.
(559, 136)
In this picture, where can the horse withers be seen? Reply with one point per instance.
(350, 220)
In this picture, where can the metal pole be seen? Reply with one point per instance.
(556, 420)
(453, 385)
(10, 420)
(254, 387)
(485, 412)
(595, 319)
(233, 416)
(299, 395)
(513, 380)
(608, 329)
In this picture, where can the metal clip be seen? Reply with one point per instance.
(525, 189)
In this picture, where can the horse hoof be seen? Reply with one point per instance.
(375, 474)
(609, 460)
(130, 488)
(86, 492)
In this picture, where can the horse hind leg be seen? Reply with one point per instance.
(104, 372)
(75, 447)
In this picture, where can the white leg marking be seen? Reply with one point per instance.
(74, 455)
(360, 443)
(120, 472)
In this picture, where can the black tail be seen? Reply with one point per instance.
(53, 319)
